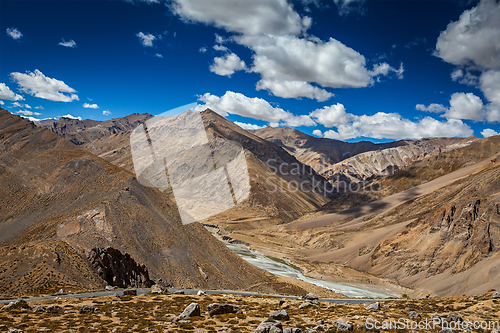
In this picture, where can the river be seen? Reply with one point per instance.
(277, 268)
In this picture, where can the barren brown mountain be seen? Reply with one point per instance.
(274, 196)
(58, 203)
(343, 163)
(441, 237)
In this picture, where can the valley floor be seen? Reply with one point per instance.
(156, 313)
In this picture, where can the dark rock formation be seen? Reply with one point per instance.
(119, 269)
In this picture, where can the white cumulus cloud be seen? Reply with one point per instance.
(28, 113)
(6, 93)
(227, 65)
(14, 33)
(434, 108)
(256, 108)
(146, 39)
(71, 117)
(246, 126)
(38, 85)
(473, 39)
(70, 43)
(106, 113)
(465, 106)
(331, 116)
(254, 17)
(392, 126)
(317, 132)
(90, 106)
(488, 132)
(293, 89)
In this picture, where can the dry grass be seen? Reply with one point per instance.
(155, 313)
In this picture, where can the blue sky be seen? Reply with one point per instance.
(343, 69)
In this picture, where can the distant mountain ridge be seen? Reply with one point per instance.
(354, 162)
(84, 131)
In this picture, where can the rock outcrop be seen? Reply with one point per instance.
(118, 269)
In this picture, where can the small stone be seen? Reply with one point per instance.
(414, 315)
(343, 325)
(130, 292)
(87, 309)
(217, 308)
(320, 322)
(61, 291)
(495, 295)
(279, 315)
(292, 330)
(108, 288)
(282, 301)
(373, 306)
(409, 309)
(453, 318)
(201, 293)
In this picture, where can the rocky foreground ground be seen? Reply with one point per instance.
(160, 312)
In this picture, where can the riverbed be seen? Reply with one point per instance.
(282, 269)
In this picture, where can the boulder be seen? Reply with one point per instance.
(217, 308)
(62, 291)
(17, 305)
(201, 293)
(130, 292)
(279, 315)
(156, 289)
(373, 306)
(40, 308)
(495, 295)
(87, 309)
(192, 310)
(269, 326)
(108, 288)
(310, 297)
(55, 309)
(307, 304)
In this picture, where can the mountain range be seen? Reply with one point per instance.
(70, 193)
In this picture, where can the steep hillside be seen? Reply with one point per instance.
(53, 192)
(441, 238)
(455, 247)
(274, 176)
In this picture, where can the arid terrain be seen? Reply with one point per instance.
(445, 189)
(162, 313)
